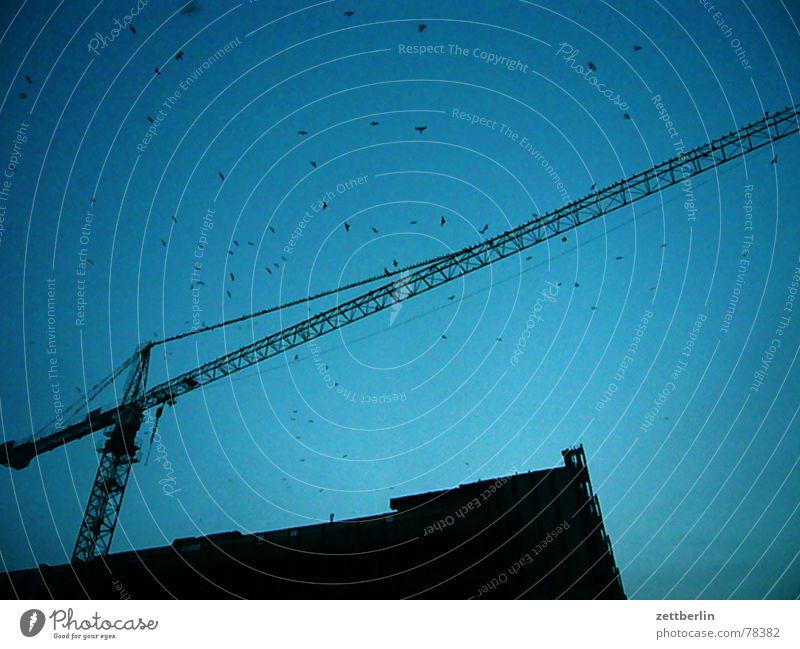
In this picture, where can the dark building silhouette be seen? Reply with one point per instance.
(534, 535)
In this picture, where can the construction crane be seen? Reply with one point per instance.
(123, 422)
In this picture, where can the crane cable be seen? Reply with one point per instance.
(317, 296)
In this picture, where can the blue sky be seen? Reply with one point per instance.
(701, 503)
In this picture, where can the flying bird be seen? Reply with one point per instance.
(774, 160)
(444, 337)
(132, 28)
(577, 285)
(174, 220)
(484, 229)
(421, 129)
(619, 258)
(374, 229)
(272, 229)
(190, 8)
(92, 200)
(592, 66)
(221, 176)
(413, 222)
(421, 28)
(593, 186)
(23, 95)
(150, 119)
(626, 116)
(346, 226)
(28, 79)
(163, 243)
(157, 71)
(179, 56)
(229, 293)
(442, 221)
(235, 243)
(302, 133)
(452, 297)
(374, 123)
(348, 13)
(637, 48)
(395, 263)
(268, 269)
(233, 277)
(386, 271)
(563, 239)
(313, 164)
(230, 252)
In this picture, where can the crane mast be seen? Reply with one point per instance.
(124, 421)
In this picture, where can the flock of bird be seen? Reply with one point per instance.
(420, 129)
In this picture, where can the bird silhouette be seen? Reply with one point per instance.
(395, 263)
(190, 8)
(276, 265)
(774, 160)
(90, 261)
(442, 221)
(637, 48)
(577, 285)
(421, 129)
(229, 293)
(618, 258)
(157, 71)
(593, 186)
(235, 243)
(23, 95)
(163, 243)
(132, 28)
(251, 243)
(28, 79)
(92, 200)
(563, 239)
(271, 229)
(179, 56)
(348, 13)
(221, 175)
(174, 220)
(386, 271)
(233, 277)
(592, 66)
(150, 119)
(413, 222)
(374, 123)
(313, 164)
(663, 245)
(346, 226)
(421, 28)
(484, 229)
(594, 308)
(268, 269)
(444, 336)
(230, 252)
(452, 297)
(302, 133)
(626, 116)
(374, 229)
(324, 205)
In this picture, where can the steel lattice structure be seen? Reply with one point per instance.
(124, 421)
